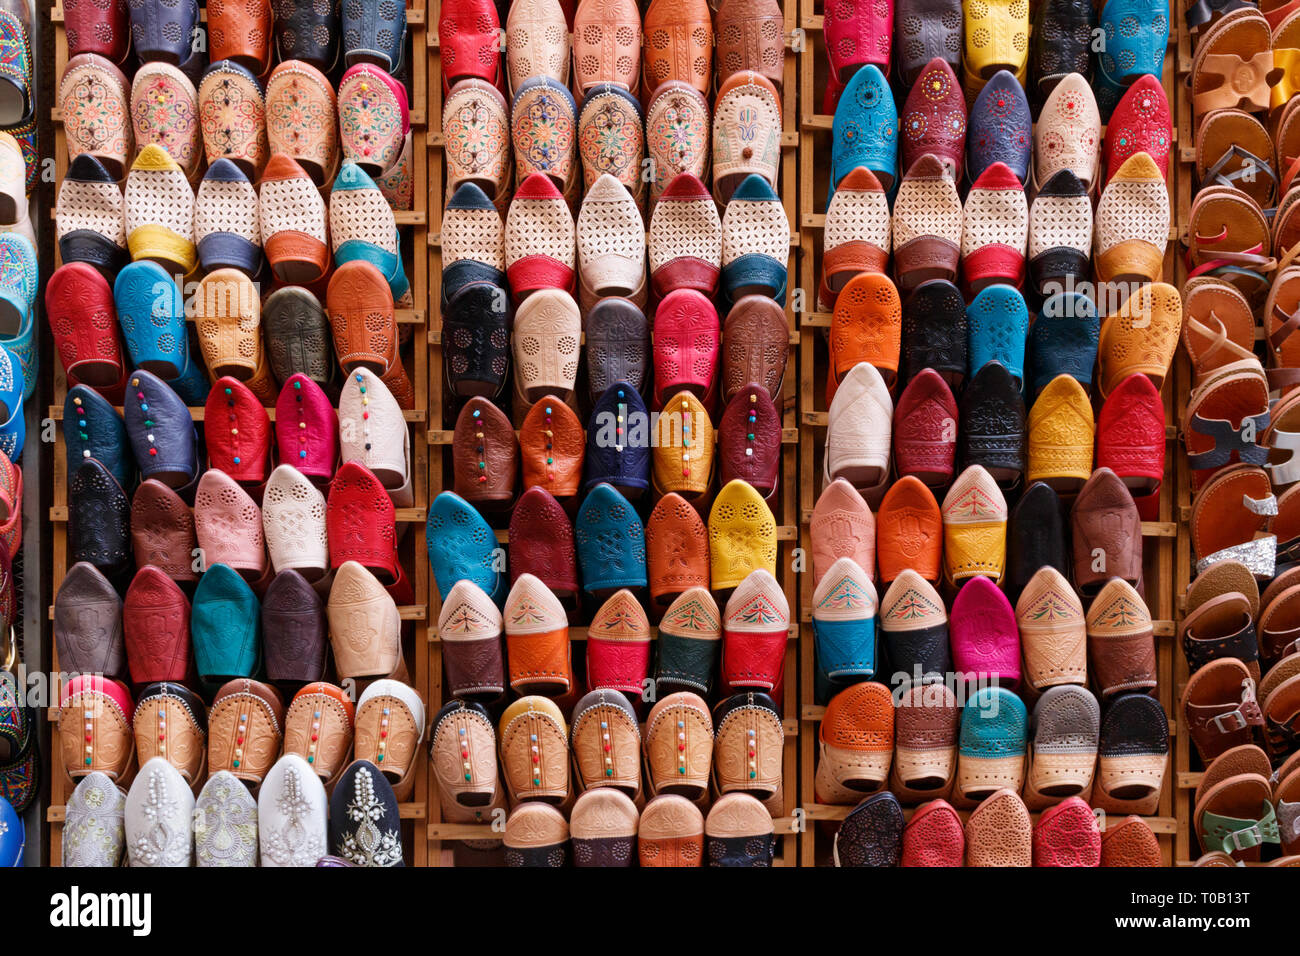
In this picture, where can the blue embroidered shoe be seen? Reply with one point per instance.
(362, 226)
(991, 753)
(1137, 33)
(865, 129)
(1063, 340)
(152, 316)
(1000, 128)
(473, 242)
(618, 441)
(997, 323)
(161, 430)
(163, 30)
(226, 626)
(227, 231)
(92, 428)
(462, 547)
(611, 542)
(22, 352)
(844, 622)
(365, 827)
(13, 838)
(19, 281)
(374, 33)
(755, 242)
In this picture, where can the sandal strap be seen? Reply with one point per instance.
(1219, 340)
(1258, 554)
(1227, 439)
(1252, 166)
(1236, 833)
(1290, 322)
(1226, 95)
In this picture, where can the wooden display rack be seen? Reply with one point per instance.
(442, 410)
(1158, 536)
(413, 225)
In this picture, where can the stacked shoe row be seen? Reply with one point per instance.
(595, 793)
(995, 437)
(634, 479)
(1241, 702)
(297, 187)
(275, 581)
(214, 787)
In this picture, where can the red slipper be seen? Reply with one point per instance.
(1067, 835)
(934, 836)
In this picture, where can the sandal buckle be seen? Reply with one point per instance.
(1239, 719)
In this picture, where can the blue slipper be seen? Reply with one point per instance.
(359, 217)
(462, 547)
(225, 626)
(1000, 128)
(992, 746)
(374, 32)
(163, 30)
(997, 323)
(865, 129)
(225, 185)
(13, 837)
(161, 430)
(152, 315)
(1137, 33)
(844, 622)
(13, 431)
(611, 541)
(755, 242)
(19, 280)
(618, 441)
(92, 428)
(1063, 340)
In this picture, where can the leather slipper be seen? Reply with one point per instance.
(991, 752)
(1053, 636)
(872, 833)
(933, 836)
(755, 243)
(618, 649)
(617, 452)
(162, 533)
(985, 641)
(685, 238)
(1133, 755)
(866, 327)
(1106, 534)
(164, 111)
(605, 741)
(607, 44)
(915, 627)
(1131, 843)
(844, 623)
(857, 234)
(1063, 753)
(1067, 835)
(858, 433)
(935, 331)
(537, 42)
(750, 36)
(670, 832)
(1121, 650)
(927, 225)
(842, 526)
(1136, 453)
(974, 527)
(999, 128)
(689, 635)
(742, 535)
(677, 136)
(865, 129)
(95, 100)
(756, 347)
(679, 746)
(535, 751)
(611, 244)
(552, 447)
(477, 132)
(611, 542)
(926, 726)
(999, 832)
(237, 432)
(1141, 336)
(739, 832)
(1132, 228)
(993, 430)
(925, 421)
(909, 531)
(934, 118)
(611, 139)
(470, 629)
(1068, 133)
(857, 743)
(678, 44)
(1141, 123)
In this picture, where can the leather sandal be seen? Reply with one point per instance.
(1233, 64)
